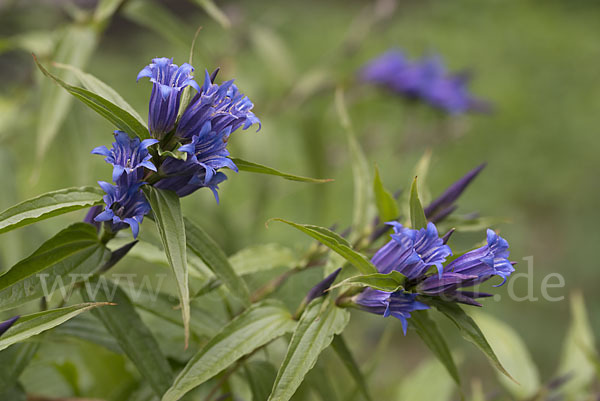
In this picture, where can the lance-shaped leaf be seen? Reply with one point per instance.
(342, 351)
(63, 260)
(113, 113)
(385, 202)
(211, 253)
(337, 244)
(319, 323)
(100, 88)
(132, 335)
(390, 282)
(257, 326)
(417, 215)
(13, 361)
(49, 205)
(435, 340)
(250, 167)
(470, 331)
(169, 221)
(30, 325)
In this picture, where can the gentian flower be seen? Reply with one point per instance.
(398, 304)
(205, 126)
(128, 155)
(126, 205)
(472, 268)
(424, 79)
(168, 82)
(4, 326)
(412, 252)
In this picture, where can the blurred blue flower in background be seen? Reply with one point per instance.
(168, 81)
(425, 79)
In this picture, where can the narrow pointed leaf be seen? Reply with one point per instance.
(169, 221)
(344, 353)
(385, 202)
(250, 167)
(417, 215)
(132, 335)
(319, 323)
(390, 282)
(434, 339)
(30, 325)
(100, 88)
(471, 332)
(211, 253)
(113, 113)
(255, 327)
(49, 205)
(62, 261)
(337, 244)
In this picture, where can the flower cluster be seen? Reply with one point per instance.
(190, 149)
(425, 79)
(413, 252)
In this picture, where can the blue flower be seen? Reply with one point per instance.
(221, 105)
(398, 304)
(4, 326)
(127, 155)
(412, 252)
(168, 82)
(126, 205)
(424, 79)
(472, 268)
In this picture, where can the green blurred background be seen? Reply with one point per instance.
(536, 61)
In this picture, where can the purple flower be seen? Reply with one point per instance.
(127, 155)
(398, 304)
(472, 268)
(412, 252)
(4, 326)
(424, 79)
(442, 206)
(126, 205)
(168, 82)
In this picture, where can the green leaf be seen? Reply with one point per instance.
(362, 213)
(30, 325)
(342, 350)
(417, 215)
(422, 171)
(319, 323)
(211, 253)
(122, 119)
(257, 326)
(262, 257)
(74, 48)
(428, 381)
(86, 327)
(471, 332)
(169, 221)
(65, 259)
(14, 360)
(158, 18)
(513, 353)
(49, 205)
(577, 347)
(100, 88)
(132, 335)
(250, 167)
(261, 375)
(434, 339)
(385, 202)
(211, 9)
(390, 282)
(337, 244)
(105, 9)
